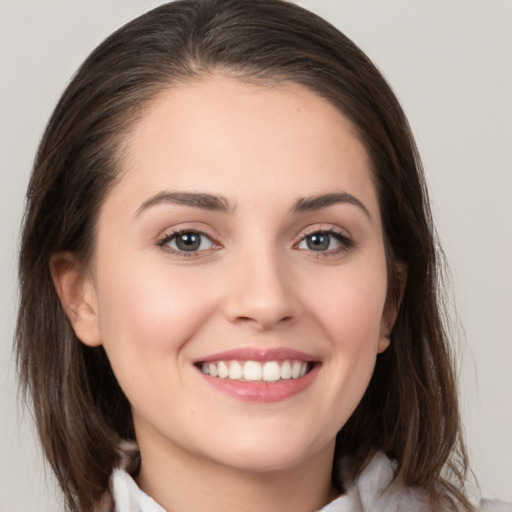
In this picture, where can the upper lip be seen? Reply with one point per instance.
(258, 354)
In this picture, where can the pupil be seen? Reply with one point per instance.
(188, 242)
(318, 242)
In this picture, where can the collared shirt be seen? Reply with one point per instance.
(371, 492)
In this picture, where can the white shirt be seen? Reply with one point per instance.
(370, 493)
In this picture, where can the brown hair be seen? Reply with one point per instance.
(410, 409)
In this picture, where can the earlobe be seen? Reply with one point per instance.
(384, 342)
(77, 296)
(392, 307)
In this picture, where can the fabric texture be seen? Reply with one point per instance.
(371, 492)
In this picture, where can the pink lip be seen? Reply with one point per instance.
(265, 392)
(258, 354)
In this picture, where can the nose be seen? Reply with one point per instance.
(261, 293)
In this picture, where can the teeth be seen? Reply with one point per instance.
(213, 370)
(254, 371)
(235, 371)
(296, 367)
(271, 371)
(223, 370)
(286, 370)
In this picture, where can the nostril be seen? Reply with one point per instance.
(261, 304)
(265, 321)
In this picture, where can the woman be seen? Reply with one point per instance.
(228, 258)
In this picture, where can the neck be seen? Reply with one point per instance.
(183, 482)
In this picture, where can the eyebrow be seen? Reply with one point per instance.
(218, 203)
(196, 200)
(307, 204)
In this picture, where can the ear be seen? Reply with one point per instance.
(77, 296)
(391, 308)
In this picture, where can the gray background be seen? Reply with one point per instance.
(449, 62)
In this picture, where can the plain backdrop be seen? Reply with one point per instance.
(450, 63)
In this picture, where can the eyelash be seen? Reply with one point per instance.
(180, 232)
(345, 243)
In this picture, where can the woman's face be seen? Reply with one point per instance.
(239, 280)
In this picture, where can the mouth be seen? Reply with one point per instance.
(260, 375)
(256, 371)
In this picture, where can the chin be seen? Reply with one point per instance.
(273, 453)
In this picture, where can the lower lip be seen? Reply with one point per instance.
(260, 391)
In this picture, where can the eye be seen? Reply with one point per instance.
(187, 241)
(325, 241)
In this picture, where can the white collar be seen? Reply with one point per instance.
(369, 493)
(372, 491)
(128, 497)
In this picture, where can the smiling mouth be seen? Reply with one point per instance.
(256, 371)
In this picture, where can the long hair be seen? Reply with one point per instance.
(409, 410)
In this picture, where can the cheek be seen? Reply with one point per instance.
(148, 314)
(350, 305)
(149, 309)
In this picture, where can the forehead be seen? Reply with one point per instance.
(222, 135)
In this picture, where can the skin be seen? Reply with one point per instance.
(254, 283)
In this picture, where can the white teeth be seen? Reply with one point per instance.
(223, 370)
(235, 371)
(213, 370)
(286, 370)
(296, 369)
(269, 371)
(252, 370)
